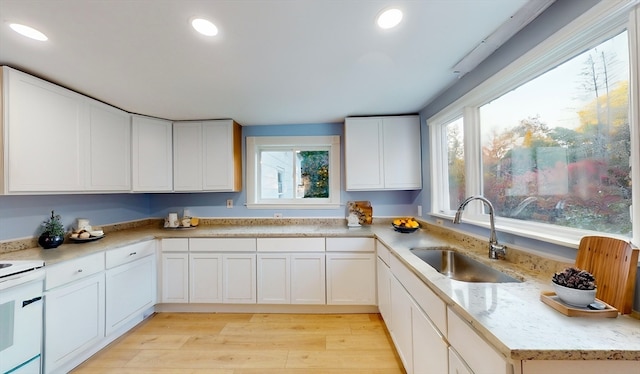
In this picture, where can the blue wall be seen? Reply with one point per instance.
(20, 216)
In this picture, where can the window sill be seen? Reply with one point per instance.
(556, 235)
(292, 206)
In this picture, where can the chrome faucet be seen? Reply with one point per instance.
(496, 251)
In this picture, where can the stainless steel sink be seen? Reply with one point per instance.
(460, 267)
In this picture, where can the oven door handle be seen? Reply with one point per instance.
(27, 302)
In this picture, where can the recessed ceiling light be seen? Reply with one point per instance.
(29, 32)
(204, 27)
(389, 18)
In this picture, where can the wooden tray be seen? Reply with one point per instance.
(550, 298)
(362, 209)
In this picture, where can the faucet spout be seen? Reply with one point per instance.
(496, 250)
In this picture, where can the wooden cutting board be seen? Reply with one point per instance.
(614, 263)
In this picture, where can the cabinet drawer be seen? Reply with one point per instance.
(73, 270)
(129, 253)
(481, 357)
(222, 244)
(430, 303)
(383, 252)
(350, 245)
(175, 245)
(290, 244)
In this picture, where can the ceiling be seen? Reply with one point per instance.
(273, 61)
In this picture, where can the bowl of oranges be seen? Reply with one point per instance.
(405, 225)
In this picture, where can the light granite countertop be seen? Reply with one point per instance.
(508, 315)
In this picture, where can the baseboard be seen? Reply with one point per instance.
(266, 308)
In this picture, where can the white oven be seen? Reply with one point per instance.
(21, 287)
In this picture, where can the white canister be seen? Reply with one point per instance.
(173, 220)
(83, 224)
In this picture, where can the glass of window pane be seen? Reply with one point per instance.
(556, 149)
(455, 162)
(289, 174)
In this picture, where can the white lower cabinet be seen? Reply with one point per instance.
(401, 330)
(74, 321)
(175, 277)
(274, 278)
(130, 289)
(351, 271)
(291, 278)
(308, 278)
(208, 270)
(421, 347)
(429, 346)
(239, 278)
(205, 278)
(384, 285)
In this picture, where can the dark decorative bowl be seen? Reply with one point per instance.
(48, 242)
(404, 230)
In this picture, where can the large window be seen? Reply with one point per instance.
(548, 140)
(293, 172)
(557, 148)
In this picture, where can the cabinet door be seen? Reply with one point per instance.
(205, 278)
(74, 320)
(187, 156)
(239, 278)
(221, 156)
(175, 278)
(308, 278)
(363, 154)
(274, 278)
(109, 166)
(429, 347)
(456, 364)
(45, 135)
(401, 327)
(402, 153)
(151, 145)
(384, 291)
(351, 279)
(130, 289)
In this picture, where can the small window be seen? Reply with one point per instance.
(293, 172)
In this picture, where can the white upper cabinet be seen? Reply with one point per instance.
(383, 153)
(109, 162)
(58, 141)
(187, 156)
(207, 156)
(43, 135)
(151, 154)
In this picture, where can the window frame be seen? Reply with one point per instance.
(601, 22)
(256, 143)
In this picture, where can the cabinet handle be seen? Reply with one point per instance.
(133, 253)
(31, 301)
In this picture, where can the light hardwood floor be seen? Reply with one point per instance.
(212, 343)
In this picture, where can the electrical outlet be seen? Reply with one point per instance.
(439, 221)
(419, 210)
(277, 215)
(229, 204)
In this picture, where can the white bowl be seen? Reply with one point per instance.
(574, 296)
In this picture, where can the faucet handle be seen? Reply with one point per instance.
(497, 251)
